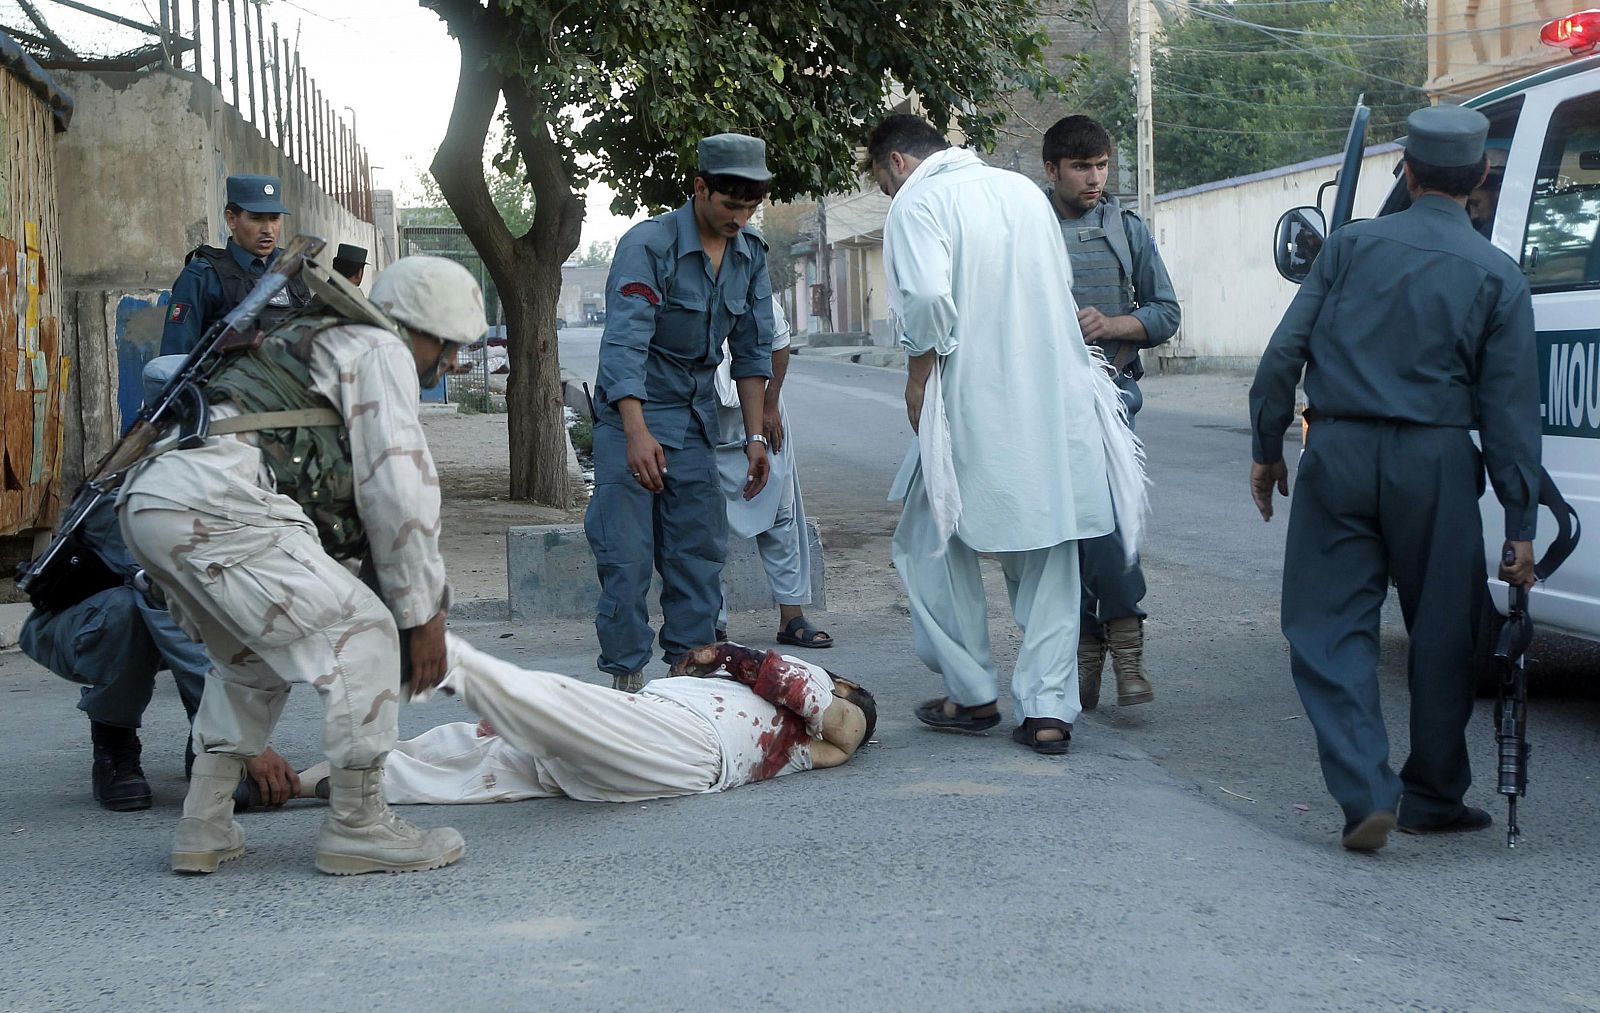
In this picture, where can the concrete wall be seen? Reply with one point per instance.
(143, 181)
(550, 573)
(1216, 241)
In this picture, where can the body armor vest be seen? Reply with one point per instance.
(309, 464)
(1102, 270)
(237, 283)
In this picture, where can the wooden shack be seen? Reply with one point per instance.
(33, 372)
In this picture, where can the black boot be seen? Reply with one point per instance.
(119, 783)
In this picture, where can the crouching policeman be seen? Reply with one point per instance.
(244, 534)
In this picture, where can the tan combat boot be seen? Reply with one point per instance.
(362, 834)
(1125, 638)
(207, 834)
(1091, 661)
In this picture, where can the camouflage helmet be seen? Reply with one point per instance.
(433, 295)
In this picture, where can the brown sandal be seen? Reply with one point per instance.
(965, 719)
(1027, 734)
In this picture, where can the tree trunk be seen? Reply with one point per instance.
(526, 269)
(533, 390)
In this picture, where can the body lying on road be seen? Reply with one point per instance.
(727, 716)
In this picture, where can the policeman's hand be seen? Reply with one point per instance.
(1519, 572)
(772, 425)
(914, 393)
(647, 462)
(1096, 326)
(1262, 478)
(428, 663)
(273, 775)
(760, 467)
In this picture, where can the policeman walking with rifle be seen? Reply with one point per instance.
(265, 462)
(1411, 331)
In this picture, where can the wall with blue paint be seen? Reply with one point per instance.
(137, 324)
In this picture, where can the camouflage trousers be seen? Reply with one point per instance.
(272, 609)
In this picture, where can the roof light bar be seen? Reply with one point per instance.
(1578, 32)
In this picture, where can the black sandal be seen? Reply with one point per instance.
(965, 719)
(1027, 734)
(802, 633)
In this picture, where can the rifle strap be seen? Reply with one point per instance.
(254, 422)
(290, 419)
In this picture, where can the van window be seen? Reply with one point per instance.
(1560, 252)
(1482, 204)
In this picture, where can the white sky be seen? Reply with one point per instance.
(390, 61)
(395, 64)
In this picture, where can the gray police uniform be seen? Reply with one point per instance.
(1117, 269)
(667, 316)
(216, 279)
(115, 641)
(1411, 329)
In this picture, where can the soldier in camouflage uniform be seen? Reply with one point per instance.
(245, 535)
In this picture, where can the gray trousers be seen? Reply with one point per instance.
(681, 532)
(113, 643)
(1375, 501)
(1111, 588)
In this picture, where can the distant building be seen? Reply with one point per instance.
(582, 301)
(1476, 46)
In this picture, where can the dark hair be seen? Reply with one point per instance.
(235, 208)
(1075, 137)
(858, 695)
(737, 187)
(907, 134)
(1454, 180)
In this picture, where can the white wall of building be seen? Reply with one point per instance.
(1216, 241)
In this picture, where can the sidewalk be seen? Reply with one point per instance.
(934, 871)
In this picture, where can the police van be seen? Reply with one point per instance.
(1541, 205)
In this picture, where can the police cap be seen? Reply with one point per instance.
(734, 155)
(349, 258)
(1446, 136)
(261, 194)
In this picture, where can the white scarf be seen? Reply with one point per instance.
(933, 427)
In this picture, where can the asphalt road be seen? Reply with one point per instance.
(932, 872)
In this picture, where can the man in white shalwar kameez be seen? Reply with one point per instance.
(727, 716)
(776, 516)
(1011, 458)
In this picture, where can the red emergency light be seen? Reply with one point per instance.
(1578, 32)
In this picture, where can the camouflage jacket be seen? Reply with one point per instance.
(369, 377)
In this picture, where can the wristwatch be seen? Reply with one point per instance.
(757, 438)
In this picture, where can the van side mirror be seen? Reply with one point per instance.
(1297, 242)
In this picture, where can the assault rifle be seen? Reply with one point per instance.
(1511, 712)
(182, 402)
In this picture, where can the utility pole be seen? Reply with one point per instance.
(825, 261)
(1139, 18)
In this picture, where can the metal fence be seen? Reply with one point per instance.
(288, 107)
(477, 388)
(230, 44)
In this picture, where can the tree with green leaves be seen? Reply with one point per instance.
(1249, 86)
(621, 91)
